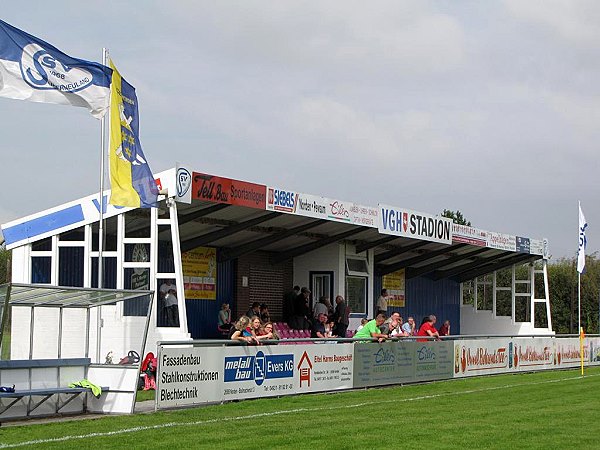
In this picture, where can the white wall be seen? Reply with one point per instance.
(333, 258)
(324, 259)
(20, 265)
(483, 322)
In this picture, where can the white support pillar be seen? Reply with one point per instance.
(172, 204)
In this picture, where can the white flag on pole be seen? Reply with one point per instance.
(582, 242)
(31, 69)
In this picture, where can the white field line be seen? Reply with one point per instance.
(276, 413)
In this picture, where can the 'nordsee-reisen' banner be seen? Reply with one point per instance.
(31, 69)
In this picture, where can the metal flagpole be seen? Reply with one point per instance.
(578, 301)
(101, 218)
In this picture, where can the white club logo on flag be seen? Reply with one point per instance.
(42, 70)
(582, 242)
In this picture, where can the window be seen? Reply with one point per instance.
(356, 294)
(70, 266)
(136, 279)
(41, 269)
(321, 285)
(357, 267)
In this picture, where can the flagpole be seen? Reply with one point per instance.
(101, 193)
(101, 220)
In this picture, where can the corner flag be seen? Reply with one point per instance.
(31, 69)
(131, 180)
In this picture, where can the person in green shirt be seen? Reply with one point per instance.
(371, 329)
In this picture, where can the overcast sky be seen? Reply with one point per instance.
(492, 108)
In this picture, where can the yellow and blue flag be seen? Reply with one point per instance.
(31, 69)
(132, 182)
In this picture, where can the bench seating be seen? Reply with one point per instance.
(28, 399)
(45, 394)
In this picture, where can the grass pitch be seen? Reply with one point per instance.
(537, 410)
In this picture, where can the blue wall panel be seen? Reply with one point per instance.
(202, 314)
(425, 296)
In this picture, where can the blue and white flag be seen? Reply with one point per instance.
(582, 242)
(131, 181)
(31, 69)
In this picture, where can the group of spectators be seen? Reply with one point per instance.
(252, 330)
(325, 321)
(382, 328)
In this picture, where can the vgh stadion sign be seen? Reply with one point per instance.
(413, 224)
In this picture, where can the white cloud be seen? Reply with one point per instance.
(575, 21)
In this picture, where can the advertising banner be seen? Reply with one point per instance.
(189, 376)
(481, 357)
(413, 224)
(363, 215)
(468, 235)
(200, 273)
(395, 284)
(532, 354)
(384, 363)
(501, 241)
(536, 247)
(307, 205)
(568, 354)
(251, 372)
(523, 244)
(215, 189)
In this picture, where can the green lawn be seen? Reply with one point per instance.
(541, 410)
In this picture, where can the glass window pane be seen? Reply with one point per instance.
(356, 294)
(41, 269)
(77, 234)
(109, 269)
(45, 245)
(137, 223)
(137, 252)
(167, 311)
(136, 279)
(70, 266)
(110, 235)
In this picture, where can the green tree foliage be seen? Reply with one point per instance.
(4, 265)
(562, 277)
(456, 216)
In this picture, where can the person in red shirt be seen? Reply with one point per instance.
(428, 329)
(445, 329)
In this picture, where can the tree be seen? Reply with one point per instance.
(562, 280)
(4, 265)
(456, 216)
